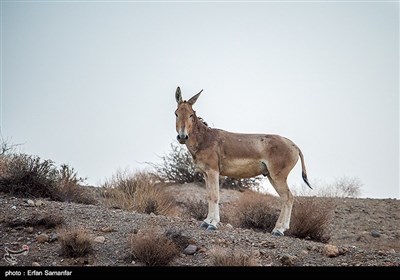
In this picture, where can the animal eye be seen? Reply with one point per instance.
(191, 116)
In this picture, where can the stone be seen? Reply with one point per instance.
(229, 226)
(31, 203)
(190, 249)
(42, 238)
(375, 233)
(39, 203)
(35, 264)
(53, 237)
(99, 239)
(29, 229)
(287, 259)
(331, 251)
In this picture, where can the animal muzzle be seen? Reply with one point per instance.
(182, 138)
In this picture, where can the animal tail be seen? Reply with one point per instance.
(303, 169)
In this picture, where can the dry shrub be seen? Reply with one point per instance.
(256, 211)
(152, 248)
(151, 198)
(29, 176)
(75, 243)
(44, 220)
(310, 218)
(116, 198)
(196, 209)
(224, 257)
(119, 191)
(342, 187)
(70, 187)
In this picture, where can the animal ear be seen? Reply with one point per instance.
(193, 100)
(178, 95)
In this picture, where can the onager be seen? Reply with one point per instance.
(217, 152)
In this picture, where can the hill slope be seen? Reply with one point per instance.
(366, 232)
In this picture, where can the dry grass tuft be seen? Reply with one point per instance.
(255, 211)
(150, 198)
(138, 191)
(224, 257)
(310, 218)
(152, 248)
(75, 243)
(70, 187)
(45, 220)
(196, 209)
(118, 191)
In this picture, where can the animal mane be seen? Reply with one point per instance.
(203, 121)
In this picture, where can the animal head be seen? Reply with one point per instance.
(185, 116)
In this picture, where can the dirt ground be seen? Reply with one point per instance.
(364, 232)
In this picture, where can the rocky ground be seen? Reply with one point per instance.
(364, 232)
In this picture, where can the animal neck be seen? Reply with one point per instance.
(198, 137)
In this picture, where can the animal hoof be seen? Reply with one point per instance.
(204, 225)
(211, 227)
(277, 233)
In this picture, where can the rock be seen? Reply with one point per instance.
(190, 249)
(392, 251)
(202, 250)
(99, 239)
(331, 251)
(229, 226)
(31, 203)
(287, 259)
(53, 237)
(35, 264)
(42, 238)
(153, 215)
(39, 203)
(53, 263)
(14, 207)
(133, 262)
(375, 233)
(29, 229)
(107, 229)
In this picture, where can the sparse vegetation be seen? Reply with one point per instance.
(310, 218)
(256, 211)
(152, 248)
(178, 167)
(75, 243)
(119, 190)
(138, 191)
(341, 187)
(30, 176)
(224, 257)
(70, 186)
(150, 198)
(196, 209)
(44, 220)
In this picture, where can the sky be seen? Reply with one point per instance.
(92, 83)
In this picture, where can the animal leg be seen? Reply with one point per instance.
(212, 185)
(287, 199)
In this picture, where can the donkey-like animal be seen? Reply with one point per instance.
(217, 152)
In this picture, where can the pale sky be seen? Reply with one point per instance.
(92, 84)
